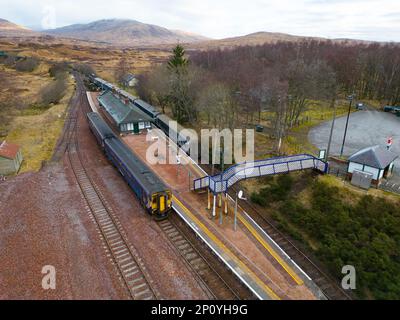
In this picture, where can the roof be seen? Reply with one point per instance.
(121, 112)
(142, 173)
(376, 157)
(8, 150)
(129, 77)
(144, 105)
(100, 125)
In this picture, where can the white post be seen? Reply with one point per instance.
(214, 205)
(226, 203)
(220, 215)
(236, 205)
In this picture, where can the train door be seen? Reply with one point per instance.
(136, 128)
(162, 203)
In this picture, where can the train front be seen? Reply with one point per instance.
(161, 204)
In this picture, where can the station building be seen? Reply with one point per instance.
(10, 158)
(125, 116)
(376, 160)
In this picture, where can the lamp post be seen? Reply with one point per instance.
(350, 98)
(240, 196)
(178, 162)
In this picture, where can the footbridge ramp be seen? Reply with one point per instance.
(220, 183)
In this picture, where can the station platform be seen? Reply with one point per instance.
(248, 252)
(92, 99)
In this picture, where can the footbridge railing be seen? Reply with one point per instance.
(222, 182)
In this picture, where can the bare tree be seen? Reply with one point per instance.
(122, 70)
(216, 102)
(158, 86)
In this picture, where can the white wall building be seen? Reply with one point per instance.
(376, 160)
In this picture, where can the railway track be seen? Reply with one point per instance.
(209, 270)
(326, 283)
(131, 269)
(69, 126)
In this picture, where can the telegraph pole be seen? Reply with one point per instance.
(331, 133)
(351, 97)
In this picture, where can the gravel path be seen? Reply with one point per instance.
(41, 224)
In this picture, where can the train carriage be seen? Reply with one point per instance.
(149, 189)
(155, 197)
(164, 123)
(146, 108)
(99, 128)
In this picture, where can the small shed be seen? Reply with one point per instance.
(126, 117)
(129, 80)
(10, 158)
(376, 160)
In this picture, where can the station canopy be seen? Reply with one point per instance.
(122, 113)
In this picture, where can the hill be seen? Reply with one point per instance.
(260, 38)
(9, 29)
(125, 32)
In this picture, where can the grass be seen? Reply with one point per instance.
(37, 134)
(37, 129)
(340, 224)
(317, 112)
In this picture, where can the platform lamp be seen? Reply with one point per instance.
(239, 195)
(178, 163)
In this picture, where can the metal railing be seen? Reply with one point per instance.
(222, 182)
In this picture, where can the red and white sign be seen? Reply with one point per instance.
(389, 141)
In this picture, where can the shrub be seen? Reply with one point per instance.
(258, 199)
(58, 69)
(365, 235)
(10, 60)
(53, 92)
(84, 68)
(27, 65)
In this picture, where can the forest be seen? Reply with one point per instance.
(231, 88)
(363, 232)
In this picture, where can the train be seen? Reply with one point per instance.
(162, 121)
(152, 193)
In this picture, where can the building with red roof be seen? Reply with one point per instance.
(10, 158)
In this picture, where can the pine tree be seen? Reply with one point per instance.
(179, 97)
(178, 60)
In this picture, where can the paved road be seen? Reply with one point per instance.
(366, 128)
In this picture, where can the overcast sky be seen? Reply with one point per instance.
(361, 19)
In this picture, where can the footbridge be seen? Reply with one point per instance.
(220, 183)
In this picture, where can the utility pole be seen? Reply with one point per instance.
(331, 133)
(351, 97)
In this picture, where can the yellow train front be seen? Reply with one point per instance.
(160, 205)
